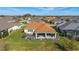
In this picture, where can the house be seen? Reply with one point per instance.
(29, 20)
(38, 29)
(8, 24)
(70, 29)
(59, 21)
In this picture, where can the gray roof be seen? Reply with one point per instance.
(7, 22)
(73, 25)
(63, 25)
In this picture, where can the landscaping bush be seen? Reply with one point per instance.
(5, 33)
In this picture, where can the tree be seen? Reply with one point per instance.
(28, 15)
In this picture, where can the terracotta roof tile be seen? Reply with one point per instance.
(39, 26)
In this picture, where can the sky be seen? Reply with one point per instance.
(46, 11)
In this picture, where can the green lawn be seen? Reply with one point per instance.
(15, 42)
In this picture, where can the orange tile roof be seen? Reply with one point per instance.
(39, 26)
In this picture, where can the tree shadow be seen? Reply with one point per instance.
(60, 47)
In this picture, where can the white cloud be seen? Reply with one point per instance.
(48, 8)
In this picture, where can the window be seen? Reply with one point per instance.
(41, 35)
(50, 34)
(30, 30)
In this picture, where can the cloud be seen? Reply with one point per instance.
(47, 8)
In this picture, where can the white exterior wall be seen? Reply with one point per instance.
(46, 37)
(26, 31)
(14, 28)
(40, 36)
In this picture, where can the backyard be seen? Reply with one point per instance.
(16, 42)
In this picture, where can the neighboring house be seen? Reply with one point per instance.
(71, 29)
(8, 24)
(29, 20)
(14, 28)
(39, 30)
(59, 21)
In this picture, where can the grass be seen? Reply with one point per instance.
(67, 44)
(16, 42)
